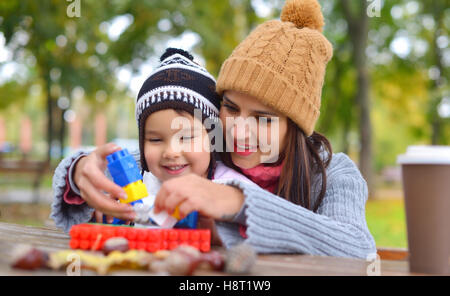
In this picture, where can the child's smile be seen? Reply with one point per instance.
(173, 149)
(175, 169)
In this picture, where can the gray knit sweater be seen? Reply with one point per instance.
(274, 225)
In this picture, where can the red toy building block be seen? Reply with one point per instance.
(92, 237)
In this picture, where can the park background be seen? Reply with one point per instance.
(70, 72)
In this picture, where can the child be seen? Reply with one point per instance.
(176, 91)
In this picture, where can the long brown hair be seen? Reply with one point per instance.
(304, 157)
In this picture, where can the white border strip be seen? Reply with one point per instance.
(149, 94)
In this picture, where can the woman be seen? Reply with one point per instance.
(309, 200)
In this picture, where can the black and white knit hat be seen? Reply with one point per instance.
(177, 83)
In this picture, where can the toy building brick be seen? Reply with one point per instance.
(93, 236)
(125, 173)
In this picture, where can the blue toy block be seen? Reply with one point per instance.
(123, 168)
(190, 221)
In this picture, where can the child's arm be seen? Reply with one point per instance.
(72, 194)
(89, 176)
(67, 207)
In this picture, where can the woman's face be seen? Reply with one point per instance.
(174, 145)
(254, 133)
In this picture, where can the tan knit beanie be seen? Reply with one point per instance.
(282, 63)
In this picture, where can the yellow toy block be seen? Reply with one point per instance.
(135, 191)
(176, 214)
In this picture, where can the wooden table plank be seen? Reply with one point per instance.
(46, 238)
(51, 239)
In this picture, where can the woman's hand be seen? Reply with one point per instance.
(193, 193)
(90, 179)
(209, 223)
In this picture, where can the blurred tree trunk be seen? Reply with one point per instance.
(345, 136)
(358, 30)
(61, 132)
(49, 118)
(436, 60)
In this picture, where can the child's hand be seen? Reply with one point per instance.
(109, 219)
(194, 193)
(99, 217)
(90, 178)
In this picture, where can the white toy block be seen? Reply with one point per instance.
(144, 212)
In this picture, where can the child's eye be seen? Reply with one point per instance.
(154, 140)
(187, 138)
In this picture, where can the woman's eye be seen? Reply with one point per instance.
(265, 120)
(230, 108)
(154, 140)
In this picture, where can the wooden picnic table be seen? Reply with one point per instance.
(51, 239)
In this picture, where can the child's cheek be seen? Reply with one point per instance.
(150, 157)
(202, 164)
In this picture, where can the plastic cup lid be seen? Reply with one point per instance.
(425, 155)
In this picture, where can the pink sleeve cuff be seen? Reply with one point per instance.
(243, 231)
(69, 196)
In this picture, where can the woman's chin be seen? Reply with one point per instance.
(245, 162)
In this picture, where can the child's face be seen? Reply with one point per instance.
(174, 145)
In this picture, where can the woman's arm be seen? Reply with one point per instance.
(191, 193)
(275, 225)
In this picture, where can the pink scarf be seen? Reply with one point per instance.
(266, 177)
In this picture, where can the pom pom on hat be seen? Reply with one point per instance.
(171, 51)
(303, 13)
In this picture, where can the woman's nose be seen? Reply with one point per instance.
(244, 128)
(240, 132)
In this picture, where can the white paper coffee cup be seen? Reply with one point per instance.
(426, 186)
